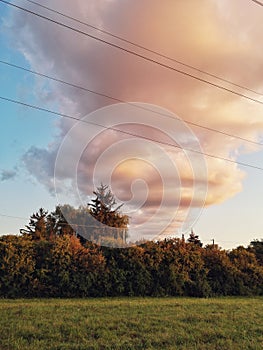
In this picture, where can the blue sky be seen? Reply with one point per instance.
(21, 128)
(233, 215)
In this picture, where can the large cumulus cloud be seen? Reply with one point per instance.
(215, 36)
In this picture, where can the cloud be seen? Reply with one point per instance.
(217, 37)
(6, 175)
(40, 163)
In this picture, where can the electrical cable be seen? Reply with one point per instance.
(61, 223)
(131, 104)
(128, 133)
(134, 53)
(257, 2)
(93, 226)
(143, 47)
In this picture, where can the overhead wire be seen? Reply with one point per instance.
(128, 133)
(129, 103)
(129, 51)
(64, 223)
(143, 47)
(13, 217)
(97, 227)
(148, 59)
(71, 117)
(257, 2)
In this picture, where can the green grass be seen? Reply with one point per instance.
(132, 323)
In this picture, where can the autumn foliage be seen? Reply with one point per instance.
(49, 260)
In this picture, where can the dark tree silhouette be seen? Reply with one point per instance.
(105, 210)
(256, 247)
(37, 226)
(193, 238)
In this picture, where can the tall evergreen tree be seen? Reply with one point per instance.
(193, 238)
(37, 226)
(104, 209)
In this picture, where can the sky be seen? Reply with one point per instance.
(171, 175)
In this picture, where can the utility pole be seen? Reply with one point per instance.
(213, 242)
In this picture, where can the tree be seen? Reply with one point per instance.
(37, 226)
(58, 224)
(17, 266)
(249, 273)
(221, 273)
(256, 246)
(193, 238)
(105, 210)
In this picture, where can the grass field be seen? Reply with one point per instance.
(132, 323)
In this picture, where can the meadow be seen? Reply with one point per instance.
(131, 323)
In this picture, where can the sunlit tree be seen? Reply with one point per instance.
(105, 210)
(37, 226)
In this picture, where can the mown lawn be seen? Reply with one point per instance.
(132, 323)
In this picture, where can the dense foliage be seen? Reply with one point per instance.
(50, 260)
(100, 221)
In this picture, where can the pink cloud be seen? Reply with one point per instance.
(214, 36)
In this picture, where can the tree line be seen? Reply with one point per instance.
(51, 259)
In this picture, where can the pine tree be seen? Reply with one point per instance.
(37, 226)
(104, 209)
(193, 238)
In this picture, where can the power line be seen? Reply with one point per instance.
(66, 223)
(127, 133)
(131, 104)
(257, 2)
(97, 227)
(143, 47)
(219, 241)
(13, 217)
(60, 223)
(61, 81)
(148, 59)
